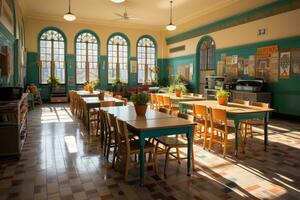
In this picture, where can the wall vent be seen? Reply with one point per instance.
(176, 49)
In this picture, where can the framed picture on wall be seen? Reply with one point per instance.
(295, 61)
(285, 65)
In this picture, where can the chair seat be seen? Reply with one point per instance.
(202, 121)
(220, 127)
(170, 141)
(135, 146)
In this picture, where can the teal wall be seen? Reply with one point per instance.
(285, 93)
(10, 40)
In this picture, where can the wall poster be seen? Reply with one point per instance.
(263, 61)
(295, 61)
(251, 65)
(240, 64)
(273, 73)
(285, 65)
(220, 68)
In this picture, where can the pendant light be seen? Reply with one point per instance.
(118, 1)
(171, 26)
(69, 16)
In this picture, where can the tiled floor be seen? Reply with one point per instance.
(60, 162)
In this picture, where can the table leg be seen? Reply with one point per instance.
(266, 120)
(142, 145)
(88, 121)
(236, 142)
(189, 151)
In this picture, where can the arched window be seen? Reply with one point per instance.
(86, 58)
(146, 59)
(207, 54)
(117, 59)
(52, 56)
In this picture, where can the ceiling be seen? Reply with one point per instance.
(153, 13)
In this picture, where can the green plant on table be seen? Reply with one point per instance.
(177, 87)
(222, 93)
(140, 99)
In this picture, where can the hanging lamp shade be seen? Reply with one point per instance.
(69, 16)
(171, 26)
(118, 1)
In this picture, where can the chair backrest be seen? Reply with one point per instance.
(152, 100)
(167, 101)
(218, 115)
(242, 102)
(118, 97)
(113, 123)
(122, 132)
(104, 121)
(200, 111)
(159, 100)
(125, 100)
(261, 104)
(164, 110)
(107, 103)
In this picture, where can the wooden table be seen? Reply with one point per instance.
(127, 113)
(154, 124)
(94, 102)
(237, 112)
(83, 93)
(176, 99)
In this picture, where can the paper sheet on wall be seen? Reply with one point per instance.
(285, 65)
(220, 68)
(273, 72)
(240, 65)
(296, 61)
(234, 59)
(246, 66)
(251, 65)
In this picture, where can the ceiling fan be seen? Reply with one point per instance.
(125, 16)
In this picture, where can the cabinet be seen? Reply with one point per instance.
(251, 96)
(13, 125)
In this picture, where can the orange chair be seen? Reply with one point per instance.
(152, 101)
(219, 128)
(159, 101)
(201, 118)
(169, 105)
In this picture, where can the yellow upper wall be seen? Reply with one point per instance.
(277, 26)
(70, 29)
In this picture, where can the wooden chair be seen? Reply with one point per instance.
(219, 128)
(152, 101)
(254, 122)
(127, 147)
(118, 97)
(159, 101)
(201, 118)
(103, 104)
(79, 106)
(169, 105)
(242, 102)
(110, 137)
(125, 101)
(72, 94)
(172, 142)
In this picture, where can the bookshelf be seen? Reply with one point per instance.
(13, 126)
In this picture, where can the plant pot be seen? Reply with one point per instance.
(141, 109)
(222, 100)
(91, 90)
(101, 95)
(86, 88)
(178, 93)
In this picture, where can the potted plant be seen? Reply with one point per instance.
(53, 82)
(86, 86)
(178, 88)
(140, 101)
(117, 85)
(91, 86)
(222, 96)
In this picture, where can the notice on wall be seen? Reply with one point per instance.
(228, 60)
(295, 61)
(234, 59)
(261, 68)
(240, 66)
(263, 60)
(285, 65)
(251, 65)
(273, 72)
(246, 71)
(220, 68)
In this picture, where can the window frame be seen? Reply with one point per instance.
(208, 40)
(39, 52)
(122, 35)
(98, 53)
(137, 55)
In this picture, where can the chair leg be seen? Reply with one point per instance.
(108, 147)
(114, 156)
(166, 162)
(204, 137)
(225, 146)
(127, 160)
(178, 155)
(211, 139)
